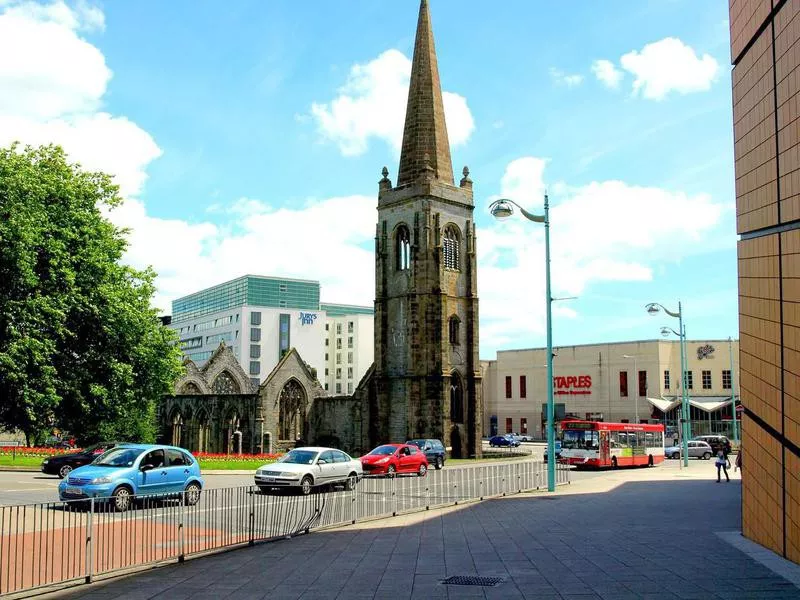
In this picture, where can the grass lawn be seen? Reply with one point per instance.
(8, 460)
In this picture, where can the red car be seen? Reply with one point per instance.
(395, 458)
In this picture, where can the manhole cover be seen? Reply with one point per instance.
(472, 580)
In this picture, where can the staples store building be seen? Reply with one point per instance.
(626, 382)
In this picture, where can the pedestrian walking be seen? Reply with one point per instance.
(738, 466)
(723, 464)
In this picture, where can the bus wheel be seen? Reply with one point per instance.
(650, 461)
(613, 462)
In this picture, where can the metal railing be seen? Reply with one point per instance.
(77, 540)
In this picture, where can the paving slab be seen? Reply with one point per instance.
(614, 536)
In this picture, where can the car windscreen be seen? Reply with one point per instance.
(383, 451)
(418, 443)
(299, 457)
(118, 457)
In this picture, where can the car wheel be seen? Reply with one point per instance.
(676, 455)
(192, 496)
(306, 485)
(423, 470)
(439, 463)
(121, 499)
(391, 470)
(706, 456)
(64, 471)
(350, 482)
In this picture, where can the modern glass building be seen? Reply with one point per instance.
(261, 318)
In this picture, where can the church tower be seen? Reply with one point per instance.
(427, 369)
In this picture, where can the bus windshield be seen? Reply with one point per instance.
(580, 440)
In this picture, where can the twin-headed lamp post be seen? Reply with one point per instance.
(502, 209)
(654, 308)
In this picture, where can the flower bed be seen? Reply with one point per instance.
(33, 451)
(203, 456)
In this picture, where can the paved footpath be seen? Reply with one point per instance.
(662, 533)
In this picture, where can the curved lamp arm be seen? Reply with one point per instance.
(665, 331)
(653, 308)
(501, 210)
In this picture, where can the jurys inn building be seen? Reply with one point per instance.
(261, 318)
(625, 382)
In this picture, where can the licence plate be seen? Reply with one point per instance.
(75, 491)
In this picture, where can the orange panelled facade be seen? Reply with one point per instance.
(765, 52)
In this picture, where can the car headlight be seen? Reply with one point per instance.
(290, 475)
(97, 480)
(383, 461)
(45, 461)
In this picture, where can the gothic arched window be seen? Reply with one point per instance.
(403, 248)
(453, 326)
(451, 249)
(292, 411)
(225, 384)
(190, 388)
(456, 399)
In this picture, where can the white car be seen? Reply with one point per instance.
(307, 468)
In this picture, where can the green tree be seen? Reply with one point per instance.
(81, 346)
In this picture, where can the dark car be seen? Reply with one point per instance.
(63, 464)
(499, 441)
(717, 442)
(433, 449)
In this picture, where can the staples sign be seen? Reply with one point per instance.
(572, 385)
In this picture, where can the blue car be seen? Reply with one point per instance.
(130, 470)
(500, 441)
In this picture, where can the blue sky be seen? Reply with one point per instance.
(250, 138)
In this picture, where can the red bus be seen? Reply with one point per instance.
(598, 444)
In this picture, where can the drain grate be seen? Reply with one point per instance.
(472, 580)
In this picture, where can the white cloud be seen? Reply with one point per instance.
(561, 78)
(372, 104)
(309, 242)
(607, 73)
(667, 66)
(53, 90)
(600, 232)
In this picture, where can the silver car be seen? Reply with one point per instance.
(697, 449)
(307, 468)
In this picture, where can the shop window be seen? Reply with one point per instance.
(509, 425)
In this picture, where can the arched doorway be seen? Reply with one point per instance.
(456, 398)
(455, 442)
(292, 417)
(178, 426)
(203, 432)
(231, 435)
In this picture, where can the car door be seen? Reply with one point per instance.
(405, 461)
(154, 479)
(326, 467)
(177, 471)
(342, 463)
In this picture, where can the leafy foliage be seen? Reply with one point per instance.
(80, 345)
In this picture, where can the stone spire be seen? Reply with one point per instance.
(425, 152)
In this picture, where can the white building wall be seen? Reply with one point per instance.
(587, 380)
(362, 350)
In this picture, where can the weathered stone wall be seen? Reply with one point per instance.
(336, 421)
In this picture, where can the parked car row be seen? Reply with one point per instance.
(117, 472)
(700, 446)
(309, 467)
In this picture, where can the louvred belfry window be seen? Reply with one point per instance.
(403, 249)
(451, 249)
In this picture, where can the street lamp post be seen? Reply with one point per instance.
(502, 209)
(654, 308)
(733, 393)
(636, 380)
